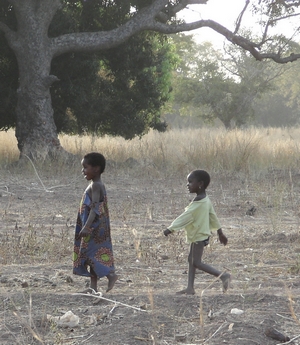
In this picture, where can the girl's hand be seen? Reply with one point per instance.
(167, 232)
(84, 232)
(222, 237)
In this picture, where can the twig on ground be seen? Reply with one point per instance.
(142, 339)
(33, 333)
(109, 300)
(83, 341)
(202, 292)
(214, 333)
(45, 189)
(285, 317)
(75, 337)
(253, 341)
(6, 191)
(110, 312)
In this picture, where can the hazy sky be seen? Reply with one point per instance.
(224, 12)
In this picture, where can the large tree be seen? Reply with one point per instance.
(34, 50)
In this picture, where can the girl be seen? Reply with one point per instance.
(198, 220)
(93, 247)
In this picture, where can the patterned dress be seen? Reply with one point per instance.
(95, 250)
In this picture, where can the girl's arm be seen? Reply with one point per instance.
(97, 195)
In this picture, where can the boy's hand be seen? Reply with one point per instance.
(222, 237)
(167, 232)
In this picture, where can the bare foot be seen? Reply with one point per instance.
(112, 278)
(225, 281)
(186, 292)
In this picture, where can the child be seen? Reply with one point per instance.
(93, 245)
(198, 220)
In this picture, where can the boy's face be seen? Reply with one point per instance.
(89, 172)
(193, 185)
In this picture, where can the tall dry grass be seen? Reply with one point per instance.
(214, 149)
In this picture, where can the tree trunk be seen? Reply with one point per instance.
(35, 128)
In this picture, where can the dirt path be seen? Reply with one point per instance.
(262, 255)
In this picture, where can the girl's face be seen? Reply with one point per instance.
(193, 185)
(89, 172)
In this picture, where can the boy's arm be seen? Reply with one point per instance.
(180, 222)
(222, 237)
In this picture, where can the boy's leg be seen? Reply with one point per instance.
(197, 253)
(191, 276)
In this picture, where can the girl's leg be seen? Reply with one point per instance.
(197, 252)
(94, 279)
(112, 278)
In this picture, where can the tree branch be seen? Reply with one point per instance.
(108, 39)
(240, 17)
(146, 19)
(293, 3)
(173, 10)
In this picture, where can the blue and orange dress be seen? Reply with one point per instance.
(94, 250)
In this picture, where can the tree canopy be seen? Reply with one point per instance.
(118, 91)
(35, 43)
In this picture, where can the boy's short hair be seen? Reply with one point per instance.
(96, 159)
(202, 175)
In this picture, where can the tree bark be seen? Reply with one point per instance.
(36, 132)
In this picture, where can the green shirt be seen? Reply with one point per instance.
(198, 220)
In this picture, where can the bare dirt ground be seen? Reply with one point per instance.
(262, 256)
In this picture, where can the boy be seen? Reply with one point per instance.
(198, 220)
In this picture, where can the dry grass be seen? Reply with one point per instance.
(251, 150)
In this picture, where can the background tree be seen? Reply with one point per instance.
(221, 85)
(281, 106)
(26, 24)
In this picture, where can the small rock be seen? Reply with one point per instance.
(164, 257)
(24, 285)
(3, 280)
(274, 334)
(69, 280)
(180, 337)
(237, 311)
(251, 211)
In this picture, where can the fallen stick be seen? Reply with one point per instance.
(45, 189)
(75, 337)
(109, 300)
(83, 341)
(142, 339)
(113, 308)
(285, 317)
(214, 333)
